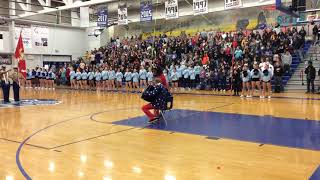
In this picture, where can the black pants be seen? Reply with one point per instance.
(5, 91)
(278, 84)
(16, 91)
(310, 82)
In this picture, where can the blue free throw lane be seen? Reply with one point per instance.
(316, 175)
(288, 132)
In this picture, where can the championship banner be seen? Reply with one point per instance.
(122, 14)
(171, 7)
(26, 34)
(5, 60)
(230, 4)
(200, 7)
(146, 11)
(102, 17)
(40, 36)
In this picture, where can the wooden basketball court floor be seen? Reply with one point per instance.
(92, 135)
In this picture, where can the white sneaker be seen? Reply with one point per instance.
(241, 96)
(249, 96)
(261, 97)
(269, 97)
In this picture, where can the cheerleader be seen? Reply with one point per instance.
(51, 78)
(73, 79)
(143, 77)
(197, 70)
(91, 80)
(150, 76)
(104, 81)
(255, 79)
(128, 78)
(42, 78)
(174, 78)
(84, 78)
(97, 77)
(119, 77)
(33, 78)
(78, 78)
(29, 78)
(37, 78)
(267, 74)
(245, 76)
(135, 79)
(112, 76)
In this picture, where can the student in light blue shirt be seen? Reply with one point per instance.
(97, 77)
(28, 78)
(192, 75)
(135, 79)
(185, 74)
(246, 77)
(174, 78)
(119, 77)
(143, 77)
(112, 76)
(73, 81)
(128, 78)
(104, 79)
(90, 79)
(78, 78)
(51, 77)
(150, 76)
(84, 77)
(197, 70)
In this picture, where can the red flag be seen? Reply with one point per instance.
(19, 56)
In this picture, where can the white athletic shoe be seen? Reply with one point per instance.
(248, 96)
(261, 97)
(242, 96)
(269, 97)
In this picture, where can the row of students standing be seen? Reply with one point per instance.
(183, 76)
(40, 78)
(109, 78)
(252, 80)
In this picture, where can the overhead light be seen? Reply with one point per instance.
(136, 169)
(108, 164)
(169, 177)
(106, 178)
(51, 166)
(83, 158)
(9, 178)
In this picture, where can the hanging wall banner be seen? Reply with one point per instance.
(200, 7)
(40, 36)
(26, 36)
(145, 11)
(230, 4)
(122, 14)
(102, 17)
(171, 8)
(5, 59)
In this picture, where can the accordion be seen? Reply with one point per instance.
(146, 94)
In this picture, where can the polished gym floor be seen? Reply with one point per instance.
(66, 134)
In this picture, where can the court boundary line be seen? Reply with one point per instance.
(24, 142)
(27, 144)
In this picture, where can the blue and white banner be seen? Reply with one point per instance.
(171, 8)
(102, 17)
(122, 14)
(230, 4)
(146, 10)
(200, 7)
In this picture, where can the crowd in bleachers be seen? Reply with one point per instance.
(241, 61)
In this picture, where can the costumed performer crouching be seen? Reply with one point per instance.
(157, 94)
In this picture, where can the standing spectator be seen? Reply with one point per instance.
(310, 71)
(315, 34)
(286, 61)
(278, 72)
(303, 32)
